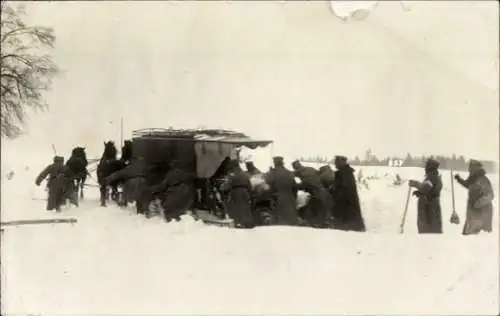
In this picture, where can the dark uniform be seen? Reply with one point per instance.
(429, 219)
(179, 192)
(318, 208)
(240, 197)
(327, 177)
(346, 206)
(480, 196)
(134, 177)
(284, 189)
(55, 183)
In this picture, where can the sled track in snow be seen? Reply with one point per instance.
(40, 221)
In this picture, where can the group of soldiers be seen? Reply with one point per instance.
(325, 187)
(333, 196)
(479, 210)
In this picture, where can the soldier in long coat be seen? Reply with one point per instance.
(284, 189)
(479, 214)
(239, 204)
(429, 218)
(55, 183)
(347, 209)
(179, 192)
(319, 206)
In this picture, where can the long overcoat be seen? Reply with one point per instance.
(429, 218)
(239, 203)
(480, 196)
(56, 184)
(284, 189)
(179, 192)
(346, 205)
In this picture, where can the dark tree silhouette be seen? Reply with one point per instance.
(26, 68)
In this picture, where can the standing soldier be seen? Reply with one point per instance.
(284, 188)
(318, 208)
(479, 201)
(347, 209)
(429, 219)
(55, 183)
(239, 204)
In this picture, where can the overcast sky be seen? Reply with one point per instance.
(422, 81)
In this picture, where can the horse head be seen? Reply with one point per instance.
(110, 150)
(82, 154)
(127, 151)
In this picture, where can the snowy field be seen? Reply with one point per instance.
(115, 262)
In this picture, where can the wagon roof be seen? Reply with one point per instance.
(202, 136)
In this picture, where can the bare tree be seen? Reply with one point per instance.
(26, 68)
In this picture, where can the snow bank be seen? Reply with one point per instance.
(112, 262)
(115, 262)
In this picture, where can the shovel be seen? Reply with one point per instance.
(403, 220)
(454, 219)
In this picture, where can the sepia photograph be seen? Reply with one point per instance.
(292, 157)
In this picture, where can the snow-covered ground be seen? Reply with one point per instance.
(115, 262)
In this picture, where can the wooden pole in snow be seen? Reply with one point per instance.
(403, 220)
(452, 191)
(121, 131)
(454, 219)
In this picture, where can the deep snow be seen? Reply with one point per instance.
(115, 262)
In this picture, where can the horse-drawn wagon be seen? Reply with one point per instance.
(202, 152)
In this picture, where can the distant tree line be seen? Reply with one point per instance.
(455, 162)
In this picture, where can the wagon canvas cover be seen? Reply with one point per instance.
(212, 150)
(201, 151)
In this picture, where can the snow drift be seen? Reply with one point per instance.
(115, 262)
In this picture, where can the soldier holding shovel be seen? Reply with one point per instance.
(479, 201)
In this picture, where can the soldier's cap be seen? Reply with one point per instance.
(341, 158)
(432, 164)
(278, 159)
(58, 159)
(475, 163)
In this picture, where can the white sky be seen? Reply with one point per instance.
(423, 81)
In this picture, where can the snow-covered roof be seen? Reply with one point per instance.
(202, 135)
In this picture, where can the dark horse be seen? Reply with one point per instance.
(77, 167)
(108, 165)
(126, 155)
